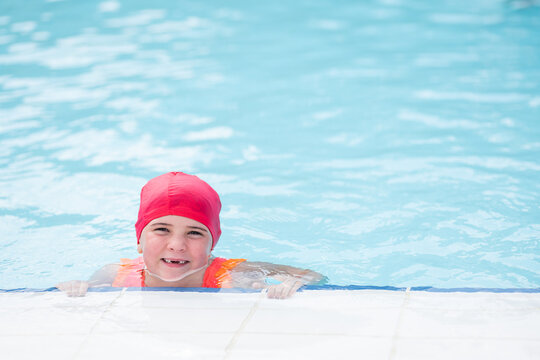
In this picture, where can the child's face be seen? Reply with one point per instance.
(175, 245)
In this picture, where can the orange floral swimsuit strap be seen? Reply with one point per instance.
(130, 273)
(217, 275)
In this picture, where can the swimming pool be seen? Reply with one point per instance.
(378, 142)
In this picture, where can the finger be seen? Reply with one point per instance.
(288, 288)
(284, 291)
(287, 291)
(64, 286)
(297, 285)
(69, 288)
(272, 292)
(83, 288)
(74, 290)
(276, 291)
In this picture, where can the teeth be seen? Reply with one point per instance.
(174, 261)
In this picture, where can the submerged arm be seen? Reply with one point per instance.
(255, 275)
(102, 277)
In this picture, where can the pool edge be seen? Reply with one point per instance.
(305, 288)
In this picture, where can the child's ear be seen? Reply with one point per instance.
(139, 248)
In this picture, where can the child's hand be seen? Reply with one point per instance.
(259, 275)
(284, 290)
(74, 287)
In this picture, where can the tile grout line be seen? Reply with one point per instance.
(236, 335)
(83, 344)
(393, 346)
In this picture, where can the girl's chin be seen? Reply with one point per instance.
(166, 277)
(174, 274)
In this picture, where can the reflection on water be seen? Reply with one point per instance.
(380, 142)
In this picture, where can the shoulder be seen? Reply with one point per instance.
(105, 275)
(110, 267)
(278, 271)
(263, 266)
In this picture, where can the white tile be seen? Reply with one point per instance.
(471, 323)
(34, 300)
(519, 300)
(51, 312)
(187, 299)
(312, 320)
(312, 324)
(281, 346)
(191, 320)
(24, 300)
(49, 320)
(464, 349)
(155, 346)
(33, 347)
(378, 298)
(472, 301)
(324, 299)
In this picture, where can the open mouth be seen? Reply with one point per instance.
(174, 262)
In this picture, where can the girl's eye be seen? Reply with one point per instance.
(161, 229)
(196, 233)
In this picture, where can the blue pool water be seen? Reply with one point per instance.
(378, 142)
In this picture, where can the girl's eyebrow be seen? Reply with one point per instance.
(196, 227)
(191, 227)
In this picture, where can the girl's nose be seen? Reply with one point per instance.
(177, 243)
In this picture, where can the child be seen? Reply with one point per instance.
(177, 229)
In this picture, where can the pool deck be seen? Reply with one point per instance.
(314, 324)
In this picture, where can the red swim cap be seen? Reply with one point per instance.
(176, 193)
